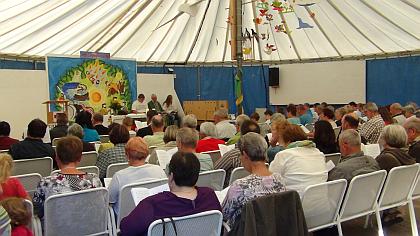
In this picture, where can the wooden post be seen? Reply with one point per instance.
(237, 38)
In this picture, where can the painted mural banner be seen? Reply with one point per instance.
(93, 84)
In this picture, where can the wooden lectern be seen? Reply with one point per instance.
(51, 114)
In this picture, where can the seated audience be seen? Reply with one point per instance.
(386, 115)
(77, 131)
(412, 127)
(324, 137)
(186, 141)
(239, 120)
(394, 140)
(225, 130)
(170, 110)
(107, 145)
(353, 161)
(208, 141)
(84, 119)
(20, 217)
(328, 115)
(60, 130)
(189, 121)
(69, 179)
(396, 111)
(157, 127)
(154, 104)
(255, 117)
(136, 151)
(304, 116)
(9, 186)
(231, 159)
(128, 123)
(409, 112)
(170, 142)
(119, 137)
(143, 132)
(5, 221)
(349, 122)
(301, 164)
(276, 141)
(339, 113)
(268, 113)
(97, 121)
(5, 140)
(373, 127)
(32, 146)
(182, 199)
(259, 183)
(139, 105)
(292, 115)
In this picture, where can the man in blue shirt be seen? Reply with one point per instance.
(304, 116)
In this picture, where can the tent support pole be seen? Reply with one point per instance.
(236, 49)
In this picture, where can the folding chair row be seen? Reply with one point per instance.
(329, 204)
(87, 169)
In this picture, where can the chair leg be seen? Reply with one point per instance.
(379, 222)
(340, 230)
(367, 222)
(412, 218)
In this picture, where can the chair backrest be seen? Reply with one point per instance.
(213, 179)
(337, 131)
(88, 159)
(126, 202)
(104, 138)
(55, 141)
(30, 209)
(334, 157)
(398, 186)
(238, 173)
(321, 203)
(215, 155)
(4, 151)
(42, 166)
(84, 212)
(416, 190)
(203, 223)
(113, 168)
(87, 169)
(30, 182)
(362, 195)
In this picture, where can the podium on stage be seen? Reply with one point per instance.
(51, 115)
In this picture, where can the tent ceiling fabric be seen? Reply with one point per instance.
(156, 31)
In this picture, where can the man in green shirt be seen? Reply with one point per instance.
(239, 120)
(154, 104)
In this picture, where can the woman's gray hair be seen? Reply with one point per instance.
(277, 116)
(240, 119)
(394, 136)
(189, 121)
(254, 146)
(371, 106)
(187, 137)
(208, 129)
(75, 130)
(170, 133)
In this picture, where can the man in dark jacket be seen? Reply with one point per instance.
(97, 121)
(412, 127)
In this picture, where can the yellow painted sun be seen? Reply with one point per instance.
(95, 96)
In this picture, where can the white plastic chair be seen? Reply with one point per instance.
(213, 179)
(334, 157)
(337, 131)
(114, 168)
(4, 151)
(321, 203)
(207, 223)
(35, 223)
(42, 166)
(88, 159)
(238, 173)
(215, 155)
(397, 192)
(81, 213)
(87, 169)
(30, 182)
(362, 196)
(104, 138)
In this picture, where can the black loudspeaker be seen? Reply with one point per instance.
(274, 78)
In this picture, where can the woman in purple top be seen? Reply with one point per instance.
(183, 199)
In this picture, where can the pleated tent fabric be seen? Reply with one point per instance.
(198, 31)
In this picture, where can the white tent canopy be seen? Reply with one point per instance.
(164, 32)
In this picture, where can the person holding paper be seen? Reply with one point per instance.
(157, 127)
(182, 199)
(239, 120)
(208, 141)
(136, 151)
(170, 142)
(143, 132)
(260, 182)
(225, 130)
(353, 161)
(139, 105)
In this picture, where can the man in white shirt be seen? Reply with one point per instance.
(139, 105)
(397, 113)
(136, 151)
(225, 130)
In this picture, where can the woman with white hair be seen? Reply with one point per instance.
(208, 141)
(394, 140)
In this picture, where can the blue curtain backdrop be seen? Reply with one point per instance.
(393, 80)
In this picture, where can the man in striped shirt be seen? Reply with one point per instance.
(371, 130)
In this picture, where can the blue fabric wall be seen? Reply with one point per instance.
(393, 80)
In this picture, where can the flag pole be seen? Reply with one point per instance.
(236, 49)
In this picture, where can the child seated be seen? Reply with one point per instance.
(19, 216)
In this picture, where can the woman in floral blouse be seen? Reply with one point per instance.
(261, 182)
(69, 179)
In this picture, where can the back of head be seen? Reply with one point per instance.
(279, 125)
(394, 136)
(157, 122)
(185, 169)
(208, 129)
(189, 121)
(37, 128)
(119, 134)
(385, 114)
(291, 108)
(371, 106)
(328, 113)
(292, 133)
(396, 106)
(350, 137)
(84, 119)
(62, 119)
(240, 119)
(352, 122)
(324, 133)
(413, 123)
(409, 109)
(277, 117)
(98, 118)
(150, 114)
(254, 146)
(75, 130)
(4, 128)
(128, 122)
(69, 150)
(255, 116)
(6, 166)
(136, 149)
(268, 112)
(221, 113)
(187, 137)
(17, 211)
(250, 126)
(170, 133)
